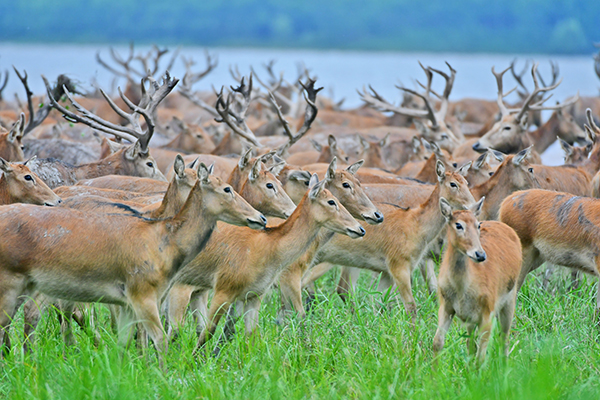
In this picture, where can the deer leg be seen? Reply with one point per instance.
(471, 339)
(427, 268)
(125, 325)
(146, 311)
(505, 317)
(177, 302)
(575, 279)
(290, 285)
(199, 309)
(348, 279)
(316, 272)
(218, 307)
(32, 312)
(229, 328)
(66, 309)
(251, 318)
(11, 287)
(484, 329)
(400, 271)
(445, 315)
(531, 261)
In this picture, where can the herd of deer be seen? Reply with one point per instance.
(104, 215)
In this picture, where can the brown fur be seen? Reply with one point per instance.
(11, 148)
(90, 248)
(15, 188)
(475, 291)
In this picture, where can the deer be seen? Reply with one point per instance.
(48, 256)
(241, 267)
(19, 185)
(509, 134)
(554, 227)
(399, 245)
(478, 277)
(131, 160)
(434, 128)
(11, 148)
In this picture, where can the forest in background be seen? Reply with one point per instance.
(507, 26)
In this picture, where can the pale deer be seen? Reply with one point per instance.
(19, 185)
(372, 151)
(241, 266)
(49, 256)
(398, 245)
(478, 277)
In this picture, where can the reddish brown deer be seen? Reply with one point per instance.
(478, 277)
(241, 266)
(11, 148)
(19, 185)
(49, 256)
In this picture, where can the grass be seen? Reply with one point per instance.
(334, 354)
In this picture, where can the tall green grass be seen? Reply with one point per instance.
(335, 353)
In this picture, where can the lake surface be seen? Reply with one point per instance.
(340, 72)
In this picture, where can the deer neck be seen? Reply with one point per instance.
(427, 173)
(428, 216)
(293, 237)
(495, 190)
(111, 165)
(236, 179)
(190, 229)
(171, 202)
(456, 263)
(5, 196)
(545, 135)
(592, 164)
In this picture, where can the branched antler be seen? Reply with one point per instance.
(190, 78)
(310, 114)
(146, 109)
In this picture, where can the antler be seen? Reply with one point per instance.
(3, 83)
(597, 61)
(447, 89)
(519, 76)
(310, 114)
(146, 110)
(375, 100)
(190, 78)
(501, 95)
(527, 104)
(591, 122)
(35, 119)
(237, 120)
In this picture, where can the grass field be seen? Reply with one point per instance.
(334, 354)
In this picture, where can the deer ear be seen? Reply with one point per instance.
(316, 190)
(192, 165)
(365, 144)
(330, 175)
(211, 168)
(440, 170)
(316, 145)
(480, 161)
(476, 208)
(332, 141)
(133, 151)
(179, 166)
(498, 155)
(300, 176)
(267, 156)
(255, 171)
(416, 144)
(203, 173)
(385, 141)
(18, 129)
(32, 158)
(590, 134)
(567, 148)
(520, 156)
(5, 166)
(446, 209)
(277, 168)
(353, 169)
(314, 179)
(245, 159)
(465, 168)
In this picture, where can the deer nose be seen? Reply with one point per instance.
(480, 256)
(263, 219)
(362, 231)
(378, 216)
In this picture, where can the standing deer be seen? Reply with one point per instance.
(478, 276)
(79, 256)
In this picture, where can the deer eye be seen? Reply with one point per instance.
(346, 185)
(444, 136)
(269, 185)
(227, 189)
(453, 185)
(454, 165)
(306, 183)
(507, 128)
(530, 170)
(458, 226)
(28, 178)
(478, 226)
(22, 147)
(331, 203)
(150, 164)
(491, 173)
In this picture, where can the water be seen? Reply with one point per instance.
(340, 72)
